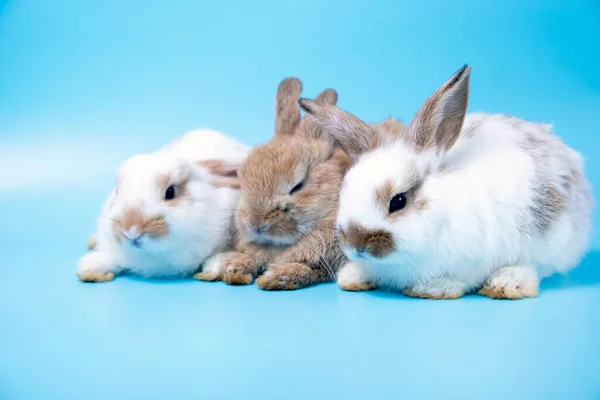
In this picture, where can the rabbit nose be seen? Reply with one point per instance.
(132, 234)
(262, 229)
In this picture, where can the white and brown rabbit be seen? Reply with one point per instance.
(457, 203)
(169, 211)
(287, 210)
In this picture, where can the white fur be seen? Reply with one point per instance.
(196, 228)
(478, 214)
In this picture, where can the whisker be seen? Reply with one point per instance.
(109, 218)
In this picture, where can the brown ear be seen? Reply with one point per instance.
(327, 96)
(287, 112)
(354, 136)
(226, 182)
(439, 121)
(221, 168)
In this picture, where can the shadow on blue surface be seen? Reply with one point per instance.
(586, 274)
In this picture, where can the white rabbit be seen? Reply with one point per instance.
(487, 202)
(170, 210)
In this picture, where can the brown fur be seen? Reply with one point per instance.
(288, 276)
(231, 183)
(220, 167)
(358, 286)
(379, 243)
(287, 112)
(340, 124)
(438, 122)
(301, 247)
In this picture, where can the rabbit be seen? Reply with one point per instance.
(170, 210)
(287, 210)
(459, 203)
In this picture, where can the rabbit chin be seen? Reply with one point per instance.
(267, 240)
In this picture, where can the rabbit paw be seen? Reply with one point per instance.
(286, 276)
(512, 283)
(213, 268)
(352, 277)
(439, 289)
(91, 242)
(240, 269)
(96, 267)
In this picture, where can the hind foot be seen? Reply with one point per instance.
(515, 282)
(439, 289)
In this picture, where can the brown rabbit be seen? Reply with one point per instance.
(287, 210)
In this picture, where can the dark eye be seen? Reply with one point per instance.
(170, 193)
(398, 202)
(297, 188)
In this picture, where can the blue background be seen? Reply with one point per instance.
(84, 84)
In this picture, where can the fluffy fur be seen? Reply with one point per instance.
(143, 231)
(493, 203)
(287, 210)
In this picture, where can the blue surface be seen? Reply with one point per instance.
(84, 84)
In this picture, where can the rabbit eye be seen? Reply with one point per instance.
(297, 188)
(170, 193)
(398, 202)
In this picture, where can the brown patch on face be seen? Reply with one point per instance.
(220, 167)
(182, 194)
(154, 226)
(415, 201)
(377, 242)
(440, 296)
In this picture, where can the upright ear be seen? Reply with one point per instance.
(439, 121)
(354, 136)
(327, 96)
(287, 112)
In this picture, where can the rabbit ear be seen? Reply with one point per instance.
(327, 96)
(439, 121)
(222, 168)
(354, 136)
(287, 112)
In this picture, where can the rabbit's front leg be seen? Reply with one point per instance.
(353, 277)
(97, 266)
(512, 283)
(239, 269)
(288, 276)
(438, 289)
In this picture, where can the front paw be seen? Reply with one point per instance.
(285, 276)
(240, 269)
(96, 266)
(353, 277)
(96, 277)
(511, 283)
